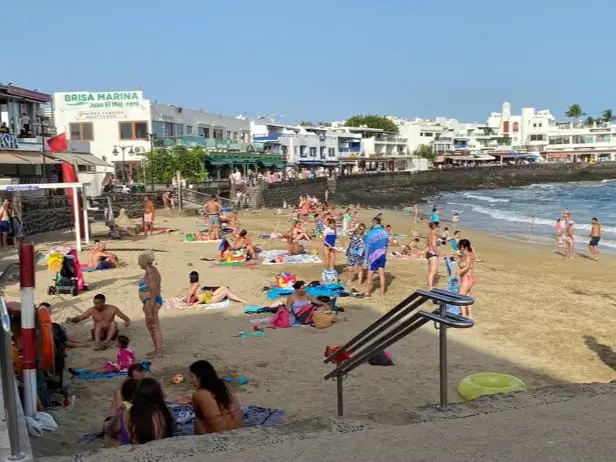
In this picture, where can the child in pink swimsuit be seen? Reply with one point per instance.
(124, 358)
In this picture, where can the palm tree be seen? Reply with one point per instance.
(607, 116)
(589, 122)
(575, 112)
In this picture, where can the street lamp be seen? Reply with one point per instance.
(115, 152)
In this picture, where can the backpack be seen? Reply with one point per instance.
(305, 314)
(282, 318)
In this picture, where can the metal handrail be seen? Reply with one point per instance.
(8, 383)
(382, 334)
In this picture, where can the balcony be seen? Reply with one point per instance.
(390, 140)
(198, 141)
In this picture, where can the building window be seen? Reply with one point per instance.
(302, 151)
(82, 131)
(313, 152)
(188, 129)
(516, 127)
(331, 152)
(603, 138)
(133, 130)
(506, 127)
(537, 137)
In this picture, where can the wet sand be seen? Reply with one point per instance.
(539, 317)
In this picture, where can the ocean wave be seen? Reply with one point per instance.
(514, 217)
(480, 197)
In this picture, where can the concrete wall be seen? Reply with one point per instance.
(401, 188)
(275, 193)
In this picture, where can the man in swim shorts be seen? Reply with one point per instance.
(101, 258)
(376, 242)
(213, 209)
(103, 316)
(595, 237)
(6, 213)
(148, 216)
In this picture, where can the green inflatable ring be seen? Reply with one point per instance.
(488, 383)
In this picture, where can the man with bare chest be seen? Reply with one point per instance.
(103, 315)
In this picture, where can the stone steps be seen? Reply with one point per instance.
(329, 435)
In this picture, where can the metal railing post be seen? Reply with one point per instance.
(443, 358)
(8, 384)
(339, 390)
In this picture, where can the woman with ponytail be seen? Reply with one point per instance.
(216, 407)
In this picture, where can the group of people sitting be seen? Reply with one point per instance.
(139, 412)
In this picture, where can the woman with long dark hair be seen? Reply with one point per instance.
(216, 407)
(465, 274)
(148, 418)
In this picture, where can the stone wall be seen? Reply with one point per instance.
(132, 203)
(45, 214)
(401, 188)
(275, 193)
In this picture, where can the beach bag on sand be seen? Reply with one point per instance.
(305, 314)
(323, 319)
(282, 318)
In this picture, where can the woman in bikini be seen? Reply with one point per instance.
(147, 419)
(300, 299)
(152, 299)
(217, 409)
(465, 273)
(432, 254)
(206, 295)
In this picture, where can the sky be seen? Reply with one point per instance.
(320, 60)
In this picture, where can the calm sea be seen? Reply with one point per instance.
(510, 211)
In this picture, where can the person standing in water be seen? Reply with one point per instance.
(558, 228)
(595, 237)
(415, 212)
(569, 241)
(152, 300)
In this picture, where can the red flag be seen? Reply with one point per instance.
(58, 143)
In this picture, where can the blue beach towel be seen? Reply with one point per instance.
(328, 290)
(87, 374)
(376, 242)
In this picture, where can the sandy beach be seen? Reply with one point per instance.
(537, 316)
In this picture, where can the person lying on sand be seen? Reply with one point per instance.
(412, 249)
(206, 295)
(100, 257)
(103, 315)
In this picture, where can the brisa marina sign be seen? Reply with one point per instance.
(102, 100)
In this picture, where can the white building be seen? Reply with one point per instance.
(115, 124)
(123, 126)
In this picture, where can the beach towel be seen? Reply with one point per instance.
(293, 259)
(236, 263)
(269, 254)
(184, 416)
(87, 374)
(257, 309)
(376, 242)
(270, 235)
(176, 303)
(329, 290)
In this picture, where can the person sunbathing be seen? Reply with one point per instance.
(242, 243)
(412, 249)
(298, 234)
(295, 248)
(101, 258)
(195, 294)
(217, 408)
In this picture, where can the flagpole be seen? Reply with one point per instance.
(43, 149)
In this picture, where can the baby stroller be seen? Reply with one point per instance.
(69, 278)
